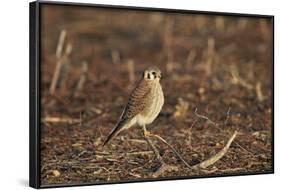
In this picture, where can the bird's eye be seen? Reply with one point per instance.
(154, 73)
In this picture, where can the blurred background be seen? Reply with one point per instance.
(91, 59)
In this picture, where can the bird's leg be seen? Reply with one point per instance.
(163, 167)
(146, 132)
(155, 150)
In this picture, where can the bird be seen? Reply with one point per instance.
(144, 104)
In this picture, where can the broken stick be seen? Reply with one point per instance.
(82, 79)
(58, 69)
(131, 70)
(216, 157)
(50, 119)
(174, 151)
(204, 117)
(155, 150)
(61, 67)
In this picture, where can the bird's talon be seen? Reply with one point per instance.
(147, 133)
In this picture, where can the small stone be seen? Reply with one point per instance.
(56, 173)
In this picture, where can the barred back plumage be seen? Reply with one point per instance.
(138, 100)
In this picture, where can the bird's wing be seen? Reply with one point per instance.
(137, 102)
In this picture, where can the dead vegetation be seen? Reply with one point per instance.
(217, 117)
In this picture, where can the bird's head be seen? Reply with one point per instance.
(152, 74)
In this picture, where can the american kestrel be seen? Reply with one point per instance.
(144, 105)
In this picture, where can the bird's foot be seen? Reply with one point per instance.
(146, 133)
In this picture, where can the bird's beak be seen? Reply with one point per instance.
(159, 75)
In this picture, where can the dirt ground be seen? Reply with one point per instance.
(219, 66)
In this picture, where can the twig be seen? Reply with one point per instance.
(227, 116)
(193, 124)
(164, 168)
(225, 122)
(259, 92)
(173, 149)
(190, 133)
(56, 76)
(83, 77)
(58, 70)
(115, 56)
(190, 58)
(65, 68)
(60, 44)
(155, 150)
(232, 170)
(139, 153)
(181, 108)
(112, 159)
(60, 120)
(137, 141)
(211, 47)
(218, 156)
(236, 79)
(204, 117)
(134, 175)
(208, 66)
(236, 143)
(131, 70)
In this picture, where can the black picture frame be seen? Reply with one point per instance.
(34, 81)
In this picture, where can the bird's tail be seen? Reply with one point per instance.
(117, 129)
